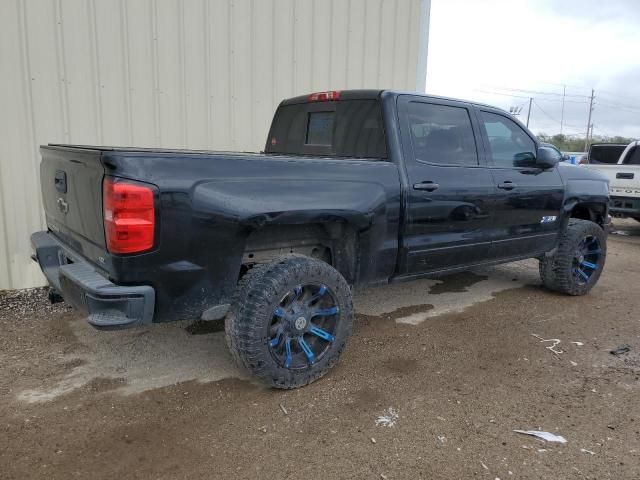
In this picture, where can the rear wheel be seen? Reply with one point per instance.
(290, 321)
(636, 219)
(576, 265)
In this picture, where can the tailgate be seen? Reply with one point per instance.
(624, 180)
(71, 184)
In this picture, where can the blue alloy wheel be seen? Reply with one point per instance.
(574, 266)
(290, 320)
(303, 326)
(586, 259)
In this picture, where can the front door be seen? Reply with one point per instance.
(449, 198)
(528, 199)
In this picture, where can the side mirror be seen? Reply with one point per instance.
(547, 158)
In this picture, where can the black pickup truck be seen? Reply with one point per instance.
(354, 188)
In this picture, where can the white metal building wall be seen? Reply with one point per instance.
(204, 74)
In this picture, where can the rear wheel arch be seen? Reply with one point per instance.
(335, 243)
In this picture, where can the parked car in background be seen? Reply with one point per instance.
(576, 158)
(355, 188)
(624, 181)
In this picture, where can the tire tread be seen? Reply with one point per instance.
(555, 269)
(255, 290)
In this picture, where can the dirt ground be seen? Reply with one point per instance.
(435, 380)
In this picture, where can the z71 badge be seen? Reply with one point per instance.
(548, 219)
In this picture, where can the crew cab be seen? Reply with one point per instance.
(624, 182)
(354, 188)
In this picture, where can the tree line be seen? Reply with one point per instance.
(576, 144)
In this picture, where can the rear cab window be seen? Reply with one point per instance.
(442, 134)
(604, 153)
(350, 128)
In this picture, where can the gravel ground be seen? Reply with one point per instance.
(436, 377)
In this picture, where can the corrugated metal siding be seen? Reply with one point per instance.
(202, 74)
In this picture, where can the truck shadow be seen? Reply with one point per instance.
(147, 358)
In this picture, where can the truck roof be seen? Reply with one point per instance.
(352, 94)
(369, 94)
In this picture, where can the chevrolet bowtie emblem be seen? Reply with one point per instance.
(62, 205)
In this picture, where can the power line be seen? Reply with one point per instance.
(543, 111)
(623, 97)
(629, 101)
(620, 107)
(557, 100)
(566, 85)
(606, 104)
(497, 93)
(606, 134)
(550, 117)
(537, 92)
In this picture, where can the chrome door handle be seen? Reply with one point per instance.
(427, 186)
(507, 185)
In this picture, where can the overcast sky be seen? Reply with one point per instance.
(487, 50)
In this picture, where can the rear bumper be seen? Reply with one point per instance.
(624, 206)
(107, 306)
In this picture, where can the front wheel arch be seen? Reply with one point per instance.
(595, 212)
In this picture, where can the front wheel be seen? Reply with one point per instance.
(575, 267)
(290, 321)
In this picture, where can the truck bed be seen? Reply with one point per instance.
(208, 205)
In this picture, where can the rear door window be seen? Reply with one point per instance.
(442, 134)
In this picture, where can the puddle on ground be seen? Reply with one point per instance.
(457, 283)
(450, 294)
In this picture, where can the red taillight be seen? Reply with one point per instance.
(129, 216)
(324, 96)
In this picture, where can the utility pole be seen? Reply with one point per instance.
(564, 91)
(586, 140)
(529, 112)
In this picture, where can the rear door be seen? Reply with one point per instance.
(71, 184)
(449, 198)
(528, 199)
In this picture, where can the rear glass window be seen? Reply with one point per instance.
(345, 128)
(605, 153)
(320, 128)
